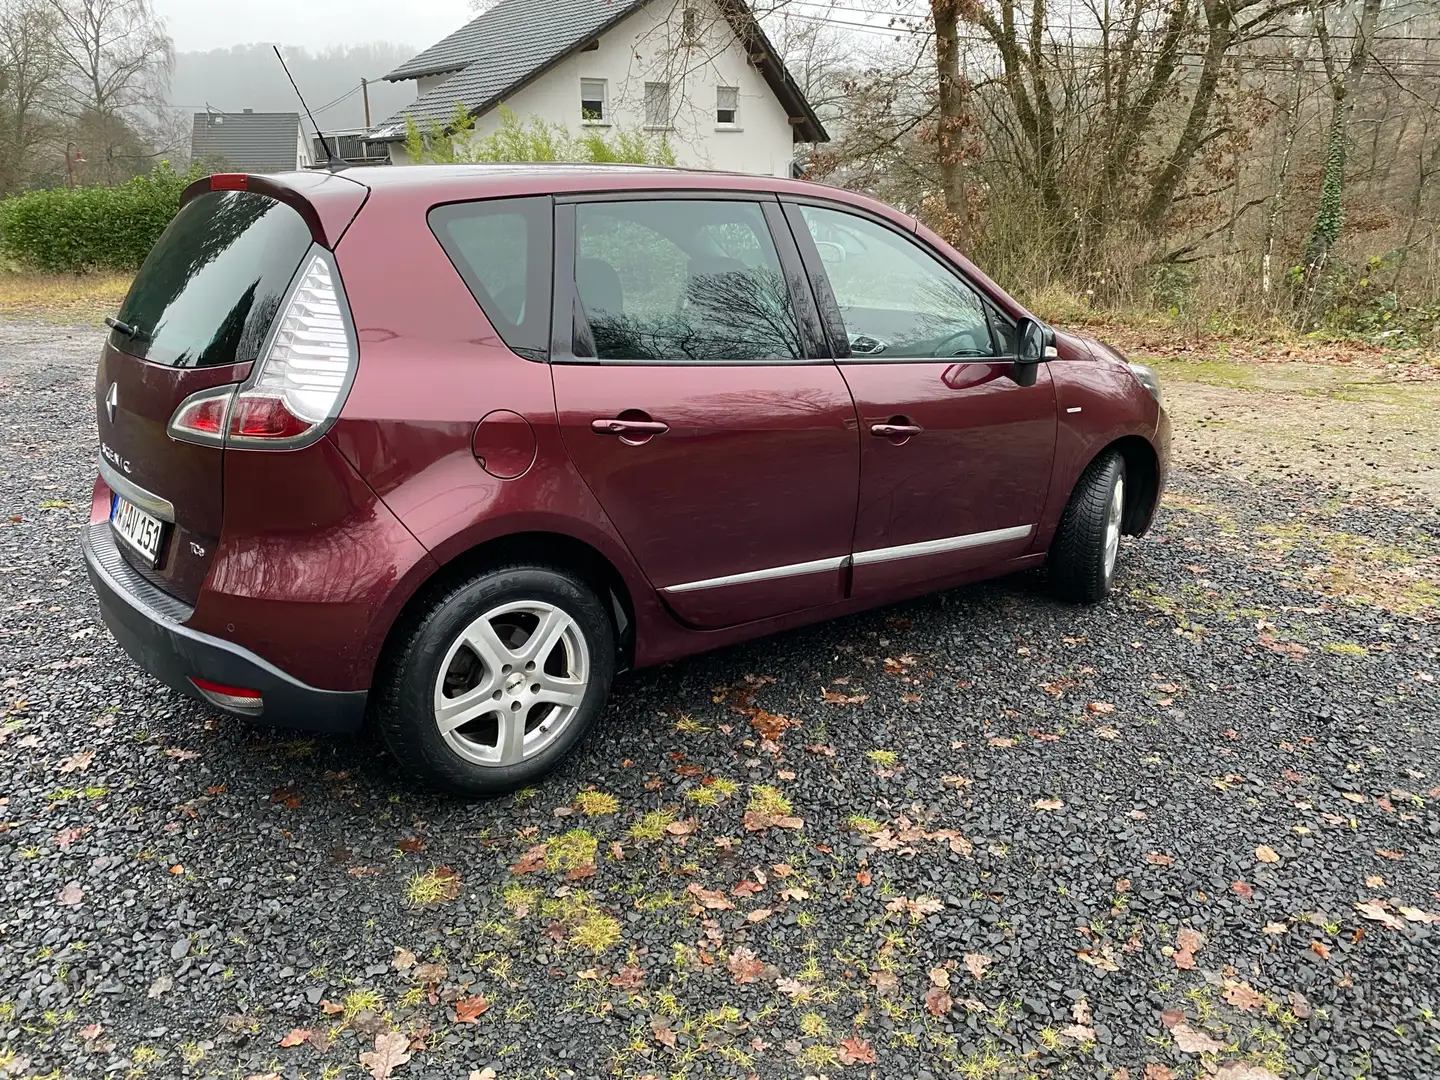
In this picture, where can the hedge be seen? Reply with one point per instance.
(67, 230)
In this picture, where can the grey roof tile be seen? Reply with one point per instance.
(503, 48)
(517, 40)
(248, 141)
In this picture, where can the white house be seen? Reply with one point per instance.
(700, 72)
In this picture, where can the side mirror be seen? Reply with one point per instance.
(1034, 340)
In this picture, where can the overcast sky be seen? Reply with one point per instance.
(315, 24)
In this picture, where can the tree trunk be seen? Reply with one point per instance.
(1331, 215)
(1162, 192)
(1277, 198)
(950, 130)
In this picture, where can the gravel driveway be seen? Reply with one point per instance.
(978, 835)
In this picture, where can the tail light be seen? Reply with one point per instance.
(299, 382)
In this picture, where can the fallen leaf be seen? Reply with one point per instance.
(863, 877)
(794, 892)
(713, 899)
(1375, 910)
(1243, 996)
(1244, 1070)
(660, 1027)
(1157, 859)
(177, 754)
(1081, 1012)
(487, 1073)
(1155, 1071)
(71, 895)
(1189, 1040)
(1104, 959)
(939, 977)
(792, 987)
(468, 1010)
(1079, 1032)
(1299, 1005)
(858, 1051)
(844, 699)
(1274, 928)
(755, 821)
(391, 1051)
(1387, 853)
(1416, 915)
(1048, 804)
(1242, 890)
(1105, 731)
(78, 762)
(1187, 941)
(1266, 854)
(532, 860)
(429, 974)
(759, 915)
(1374, 881)
(287, 797)
(330, 1008)
(1002, 741)
(404, 959)
(412, 845)
(682, 828)
(743, 966)
(783, 870)
(976, 963)
(1100, 708)
(1171, 1018)
(296, 1037)
(1351, 796)
(937, 1001)
(159, 986)
(884, 982)
(747, 888)
(65, 837)
(1320, 949)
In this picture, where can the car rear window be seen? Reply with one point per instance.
(211, 287)
(502, 250)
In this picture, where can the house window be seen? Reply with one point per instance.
(727, 105)
(657, 105)
(592, 100)
(690, 26)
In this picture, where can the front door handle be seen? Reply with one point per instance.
(629, 428)
(895, 431)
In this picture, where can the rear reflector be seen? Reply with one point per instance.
(229, 697)
(229, 182)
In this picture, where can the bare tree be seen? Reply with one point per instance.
(117, 59)
(1331, 214)
(29, 69)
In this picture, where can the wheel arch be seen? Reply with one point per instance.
(542, 548)
(1142, 481)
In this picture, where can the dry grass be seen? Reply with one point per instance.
(61, 297)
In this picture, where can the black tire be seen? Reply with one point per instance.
(1078, 567)
(406, 703)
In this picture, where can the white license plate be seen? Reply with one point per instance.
(142, 532)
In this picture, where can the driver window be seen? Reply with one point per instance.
(896, 298)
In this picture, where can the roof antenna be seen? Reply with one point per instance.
(336, 162)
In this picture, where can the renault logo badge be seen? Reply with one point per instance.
(111, 400)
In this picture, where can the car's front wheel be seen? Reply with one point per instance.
(496, 680)
(1087, 543)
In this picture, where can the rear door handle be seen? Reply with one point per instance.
(895, 431)
(630, 428)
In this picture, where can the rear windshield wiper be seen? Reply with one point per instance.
(132, 332)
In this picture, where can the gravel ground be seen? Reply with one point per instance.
(978, 835)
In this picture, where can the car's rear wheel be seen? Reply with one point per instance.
(496, 680)
(1086, 548)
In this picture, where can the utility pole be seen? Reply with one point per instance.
(365, 92)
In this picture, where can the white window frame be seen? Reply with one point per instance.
(604, 85)
(734, 123)
(666, 120)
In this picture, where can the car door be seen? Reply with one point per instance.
(694, 397)
(955, 455)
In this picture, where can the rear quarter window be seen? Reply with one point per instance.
(502, 249)
(210, 289)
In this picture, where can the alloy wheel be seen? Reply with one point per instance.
(511, 683)
(1113, 518)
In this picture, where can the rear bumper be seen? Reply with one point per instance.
(148, 624)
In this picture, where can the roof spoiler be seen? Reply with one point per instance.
(327, 202)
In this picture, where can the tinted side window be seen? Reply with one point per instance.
(683, 280)
(211, 287)
(897, 299)
(502, 249)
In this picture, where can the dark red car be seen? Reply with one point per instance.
(452, 445)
